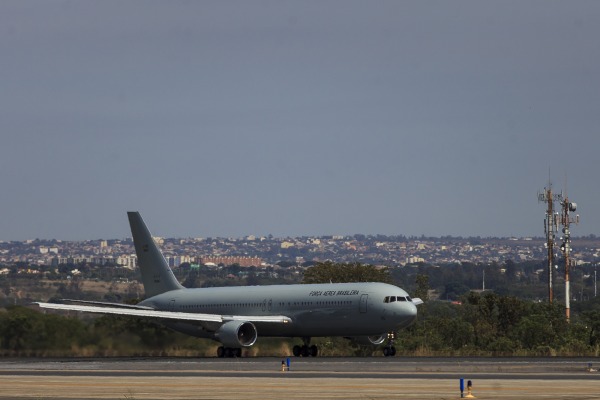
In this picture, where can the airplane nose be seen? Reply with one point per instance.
(413, 311)
(407, 315)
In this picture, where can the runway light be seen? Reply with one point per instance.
(469, 387)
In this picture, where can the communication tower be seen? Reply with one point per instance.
(566, 220)
(550, 229)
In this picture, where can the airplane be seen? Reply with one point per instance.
(367, 313)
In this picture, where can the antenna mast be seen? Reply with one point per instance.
(565, 247)
(550, 229)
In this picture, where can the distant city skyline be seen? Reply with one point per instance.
(256, 252)
(226, 119)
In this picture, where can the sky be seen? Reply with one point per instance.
(293, 118)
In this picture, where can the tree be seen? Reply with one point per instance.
(422, 291)
(328, 271)
(510, 270)
(191, 279)
(454, 289)
(592, 319)
(252, 279)
(510, 311)
(455, 332)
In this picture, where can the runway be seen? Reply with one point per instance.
(319, 378)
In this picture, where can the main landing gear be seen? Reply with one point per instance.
(306, 350)
(389, 350)
(228, 352)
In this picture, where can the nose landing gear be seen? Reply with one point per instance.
(389, 350)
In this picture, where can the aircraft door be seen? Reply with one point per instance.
(363, 303)
(172, 305)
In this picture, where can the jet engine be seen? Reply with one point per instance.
(237, 333)
(367, 340)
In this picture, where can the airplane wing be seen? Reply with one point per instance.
(107, 304)
(172, 315)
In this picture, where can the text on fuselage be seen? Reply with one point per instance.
(333, 293)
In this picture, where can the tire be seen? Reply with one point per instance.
(296, 351)
(305, 351)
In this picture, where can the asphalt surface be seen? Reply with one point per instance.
(314, 378)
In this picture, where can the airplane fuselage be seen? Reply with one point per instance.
(334, 309)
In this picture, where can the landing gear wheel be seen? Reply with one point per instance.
(389, 351)
(228, 352)
(296, 351)
(305, 352)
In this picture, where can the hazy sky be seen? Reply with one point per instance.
(229, 118)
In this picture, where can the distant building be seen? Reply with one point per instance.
(127, 261)
(176, 261)
(231, 260)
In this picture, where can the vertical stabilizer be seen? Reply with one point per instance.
(157, 277)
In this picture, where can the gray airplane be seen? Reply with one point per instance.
(367, 313)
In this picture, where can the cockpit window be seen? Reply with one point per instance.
(392, 299)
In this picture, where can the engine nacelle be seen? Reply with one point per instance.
(367, 340)
(237, 334)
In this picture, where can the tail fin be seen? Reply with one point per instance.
(157, 277)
